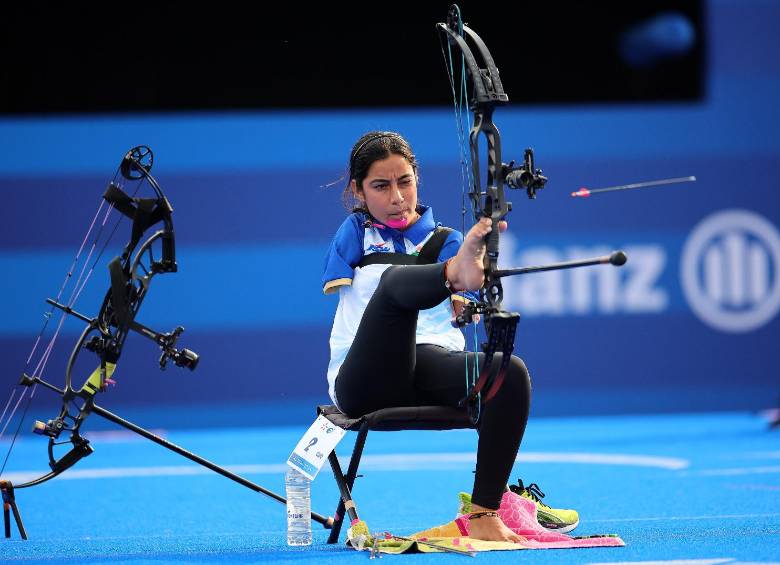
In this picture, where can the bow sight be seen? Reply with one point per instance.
(525, 176)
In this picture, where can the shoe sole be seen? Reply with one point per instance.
(546, 525)
(559, 529)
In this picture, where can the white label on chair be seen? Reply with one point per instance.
(316, 444)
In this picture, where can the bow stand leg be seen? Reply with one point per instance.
(9, 505)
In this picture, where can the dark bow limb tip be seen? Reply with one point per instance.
(618, 258)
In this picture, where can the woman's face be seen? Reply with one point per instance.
(390, 192)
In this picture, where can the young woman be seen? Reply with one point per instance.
(392, 343)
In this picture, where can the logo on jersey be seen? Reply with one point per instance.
(729, 270)
(378, 248)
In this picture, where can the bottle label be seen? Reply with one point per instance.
(316, 444)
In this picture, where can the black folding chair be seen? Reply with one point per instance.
(387, 420)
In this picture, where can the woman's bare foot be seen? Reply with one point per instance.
(490, 528)
(466, 271)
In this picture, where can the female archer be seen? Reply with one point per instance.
(392, 342)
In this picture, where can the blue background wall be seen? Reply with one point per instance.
(253, 221)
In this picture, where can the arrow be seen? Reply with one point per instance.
(585, 192)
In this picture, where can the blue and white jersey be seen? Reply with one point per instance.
(358, 237)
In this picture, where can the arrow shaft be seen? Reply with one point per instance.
(644, 184)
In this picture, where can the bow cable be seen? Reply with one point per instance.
(463, 119)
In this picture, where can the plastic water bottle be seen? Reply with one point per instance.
(298, 488)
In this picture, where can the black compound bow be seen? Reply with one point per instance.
(480, 87)
(104, 336)
(131, 274)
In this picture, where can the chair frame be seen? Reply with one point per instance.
(386, 419)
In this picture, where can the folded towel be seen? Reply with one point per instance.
(517, 512)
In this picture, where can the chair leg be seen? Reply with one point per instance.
(345, 483)
(345, 503)
(357, 453)
(338, 516)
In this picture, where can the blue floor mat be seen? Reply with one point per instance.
(701, 488)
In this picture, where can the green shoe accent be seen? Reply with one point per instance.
(561, 520)
(464, 506)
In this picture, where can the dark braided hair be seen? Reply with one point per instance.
(373, 146)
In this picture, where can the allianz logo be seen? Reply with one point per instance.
(729, 270)
(729, 273)
(634, 288)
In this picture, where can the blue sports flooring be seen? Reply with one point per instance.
(683, 488)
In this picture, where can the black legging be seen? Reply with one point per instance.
(385, 368)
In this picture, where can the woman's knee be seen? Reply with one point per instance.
(517, 380)
(389, 281)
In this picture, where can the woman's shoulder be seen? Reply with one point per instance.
(344, 252)
(352, 226)
(349, 237)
